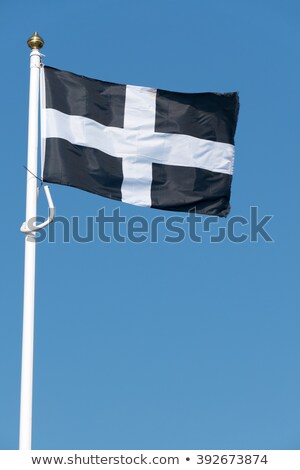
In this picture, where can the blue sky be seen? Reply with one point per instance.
(164, 345)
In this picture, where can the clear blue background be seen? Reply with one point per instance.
(159, 346)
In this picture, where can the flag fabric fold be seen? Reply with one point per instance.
(144, 146)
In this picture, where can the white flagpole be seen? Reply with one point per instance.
(35, 43)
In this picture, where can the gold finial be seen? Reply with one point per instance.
(35, 41)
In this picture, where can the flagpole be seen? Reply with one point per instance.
(35, 43)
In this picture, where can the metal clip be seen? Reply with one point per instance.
(25, 229)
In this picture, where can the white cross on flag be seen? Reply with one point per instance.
(143, 146)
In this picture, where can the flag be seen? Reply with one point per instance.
(144, 146)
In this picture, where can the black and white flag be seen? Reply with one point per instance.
(143, 146)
